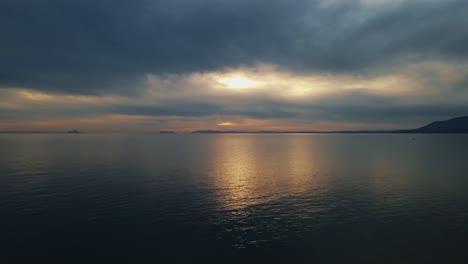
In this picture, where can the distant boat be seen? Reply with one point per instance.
(73, 132)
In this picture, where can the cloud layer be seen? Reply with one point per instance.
(364, 62)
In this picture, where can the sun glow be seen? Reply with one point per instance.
(226, 124)
(238, 82)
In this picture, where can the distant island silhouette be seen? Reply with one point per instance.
(73, 132)
(458, 125)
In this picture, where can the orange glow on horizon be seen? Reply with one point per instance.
(226, 124)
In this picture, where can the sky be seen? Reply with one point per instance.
(184, 65)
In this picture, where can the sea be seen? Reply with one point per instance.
(233, 198)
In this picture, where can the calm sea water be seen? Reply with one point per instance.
(98, 198)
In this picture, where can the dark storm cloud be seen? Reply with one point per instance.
(87, 45)
(108, 46)
(416, 28)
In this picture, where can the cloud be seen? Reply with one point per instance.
(280, 99)
(144, 65)
(103, 46)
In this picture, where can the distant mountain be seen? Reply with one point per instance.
(456, 126)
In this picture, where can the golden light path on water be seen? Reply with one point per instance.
(244, 176)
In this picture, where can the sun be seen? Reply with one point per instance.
(238, 82)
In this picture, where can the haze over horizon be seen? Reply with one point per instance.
(247, 65)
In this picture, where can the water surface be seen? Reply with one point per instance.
(302, 198)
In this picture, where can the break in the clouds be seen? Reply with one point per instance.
(147, 65)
